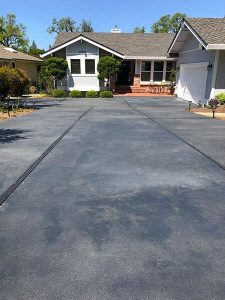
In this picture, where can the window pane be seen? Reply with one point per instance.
(145, 76)
(158, 76)
(170, 65)
(158, 66)
(146, 66)
(168, 76)
(75, 66)
(90, 66)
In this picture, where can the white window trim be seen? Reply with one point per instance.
(87, 58)
(73, 74)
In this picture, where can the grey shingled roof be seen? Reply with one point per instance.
(128, 44)
(210, 30)
(9, 55)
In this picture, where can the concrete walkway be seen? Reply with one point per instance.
(121, 208)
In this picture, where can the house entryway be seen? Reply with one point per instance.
(126, 76)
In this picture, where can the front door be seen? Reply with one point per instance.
(125, 76)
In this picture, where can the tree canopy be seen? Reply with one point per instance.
(67, 24)
(34, 50)
(138, 29)
(108, 67)
(86, 26)
(168, 23)
(13, 34)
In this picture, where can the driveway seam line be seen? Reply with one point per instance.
(30, 169)
(177, 136)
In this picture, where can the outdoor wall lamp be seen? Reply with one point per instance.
(209, 67)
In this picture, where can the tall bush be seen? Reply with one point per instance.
(54, 69)
(4, 85)
(17, 80)
(108, 67)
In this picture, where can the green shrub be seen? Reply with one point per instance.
(4, 85)
(18, 81)
(221, 98)
(58, 93)
(92, 94)
(75, 94)
(106, 94)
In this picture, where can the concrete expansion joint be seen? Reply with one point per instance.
(177, 136)
(28, 171)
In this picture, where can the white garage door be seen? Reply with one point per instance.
(192, 82)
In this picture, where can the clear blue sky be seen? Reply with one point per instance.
(37, 15)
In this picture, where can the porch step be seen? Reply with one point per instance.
(142, 89)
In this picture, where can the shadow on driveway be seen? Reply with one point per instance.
(12, 135)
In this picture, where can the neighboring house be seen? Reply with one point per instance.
(145, 65)
(15, 59)
(200, 48)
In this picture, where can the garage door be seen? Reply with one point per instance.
(192, 82)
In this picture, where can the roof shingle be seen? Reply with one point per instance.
(128, 44)
(9, 53)
(211, 30)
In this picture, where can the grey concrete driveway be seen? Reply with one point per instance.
(120, 208)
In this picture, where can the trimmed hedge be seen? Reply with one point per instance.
(92, 94)
(106, 94)
(59, 94)
(75, 94)
(221, 98)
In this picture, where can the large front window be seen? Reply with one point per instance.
(156, 71)
(146, 70)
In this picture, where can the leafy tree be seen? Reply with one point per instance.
(34, 50)
(108, 67)
(54, 68)
(13, 34)
(139, 29)
(86, 26)
(162, 25)
(168, 23)
(65, 24)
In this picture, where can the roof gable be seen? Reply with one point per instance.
(210, 32)
(126, 44)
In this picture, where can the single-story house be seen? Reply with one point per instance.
(145, 65)
(15, 59)
(200, 48)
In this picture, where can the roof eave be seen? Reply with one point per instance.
(215, 47)
(148, 57)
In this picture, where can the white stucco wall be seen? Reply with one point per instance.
(83, 82)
